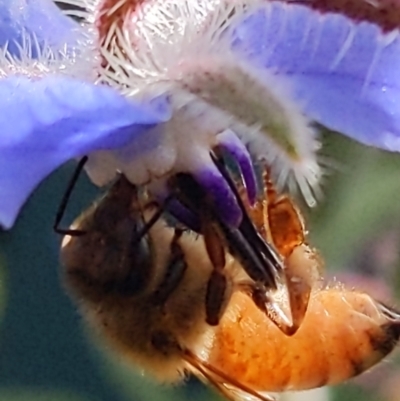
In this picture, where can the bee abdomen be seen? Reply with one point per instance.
(343, 334)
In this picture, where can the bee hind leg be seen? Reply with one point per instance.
(229, 387)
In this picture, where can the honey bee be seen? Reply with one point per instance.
(155, 294)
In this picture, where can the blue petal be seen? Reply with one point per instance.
(39, 18)
(49, 121)
(345, 75)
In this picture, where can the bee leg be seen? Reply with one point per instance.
(284, 228)
(298, 283)
(288, 321)
(226, 385)
(299, 291)
(275, 313)
(217, 295)
(174, 273)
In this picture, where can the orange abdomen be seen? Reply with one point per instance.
(343, 334)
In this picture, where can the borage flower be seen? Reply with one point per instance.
(150, 88)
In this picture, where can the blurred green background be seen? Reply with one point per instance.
(46, 356)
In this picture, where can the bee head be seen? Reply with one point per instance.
(113, 254)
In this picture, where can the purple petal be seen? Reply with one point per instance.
(40, 18)
(49, 121)
(228, 141)
(344, 74)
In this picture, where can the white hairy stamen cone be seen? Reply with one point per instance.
(182, 49)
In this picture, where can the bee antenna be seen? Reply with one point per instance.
(65, 199)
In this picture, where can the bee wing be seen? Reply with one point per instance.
(229, 387)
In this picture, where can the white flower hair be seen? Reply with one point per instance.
(183, 50)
